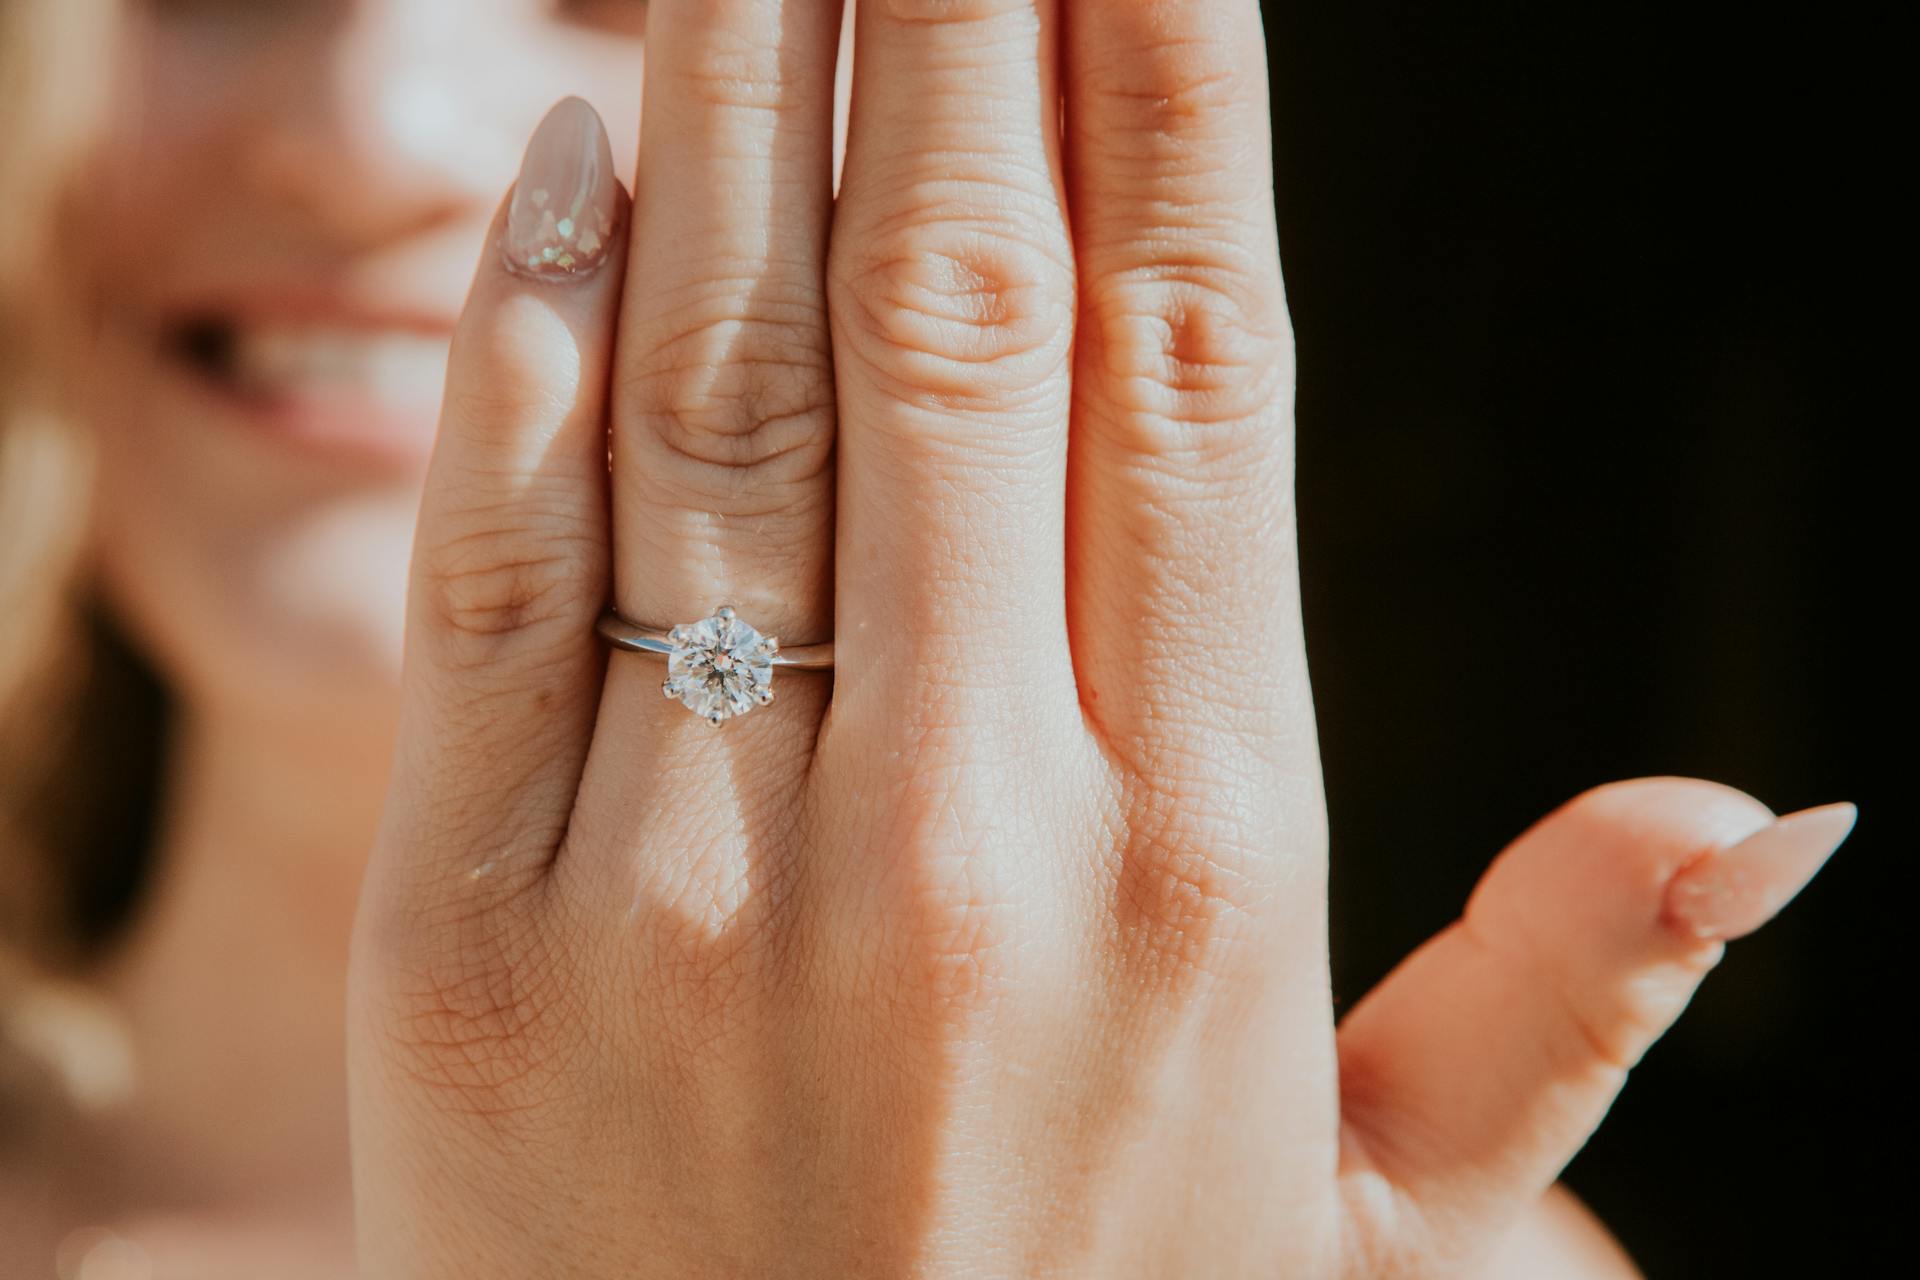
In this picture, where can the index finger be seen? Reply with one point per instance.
(510, 560)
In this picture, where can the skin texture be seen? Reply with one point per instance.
(1001, 951)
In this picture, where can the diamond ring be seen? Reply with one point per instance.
(718, 667)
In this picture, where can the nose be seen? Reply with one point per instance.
(386, 117)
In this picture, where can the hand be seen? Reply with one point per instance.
(1001, 949)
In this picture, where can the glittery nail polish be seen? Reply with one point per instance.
(1733, 891)
(561, 221)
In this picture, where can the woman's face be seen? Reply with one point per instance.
(293, 197)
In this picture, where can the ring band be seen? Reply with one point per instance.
(718, 667)
(621, 634)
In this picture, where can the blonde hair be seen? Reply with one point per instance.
(52, 54)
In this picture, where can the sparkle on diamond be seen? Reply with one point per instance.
(720, 667)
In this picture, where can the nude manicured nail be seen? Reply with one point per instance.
(566, 203)
(1730, 893)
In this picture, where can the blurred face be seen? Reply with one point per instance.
(294, 195)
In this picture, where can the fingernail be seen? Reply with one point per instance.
(1730, 893)
(565, 204)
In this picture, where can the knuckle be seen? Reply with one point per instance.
(710, 980)
(1195, 360)
(498, 410)
(1607, 1024)
(516, 370)
(956, 313)
(492, 590)
(477, 1025)
(1193, 880)
(952, 11)
(727, 403)
(955, 948)
(730, 67)
(1184, 86)
(708, 936)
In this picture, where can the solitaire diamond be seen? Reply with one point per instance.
(720, 667)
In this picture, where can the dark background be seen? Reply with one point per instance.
(1590, 488)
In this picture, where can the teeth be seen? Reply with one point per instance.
(400, 367)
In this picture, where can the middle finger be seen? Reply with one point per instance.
(951, 283)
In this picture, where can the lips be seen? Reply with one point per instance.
(362, 388)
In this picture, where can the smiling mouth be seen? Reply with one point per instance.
(288, 362)
(361, 389)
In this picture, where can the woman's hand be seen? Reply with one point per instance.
(1000, 950)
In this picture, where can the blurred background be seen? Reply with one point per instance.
(1588, 490)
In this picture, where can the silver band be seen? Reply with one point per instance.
(633, 637)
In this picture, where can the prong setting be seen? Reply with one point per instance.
(720, 667)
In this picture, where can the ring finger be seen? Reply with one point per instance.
(722, 412)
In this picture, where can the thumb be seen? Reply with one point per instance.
(1478, 1068)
